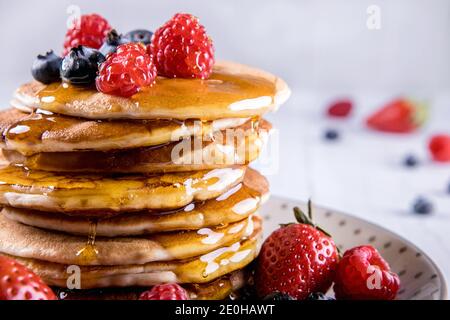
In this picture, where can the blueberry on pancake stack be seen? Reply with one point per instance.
(129, 168)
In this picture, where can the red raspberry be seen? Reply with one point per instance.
(439, 146)
(181, 48)
(362, 274)
(126, 71)
(298, 259)
(341, 108)
(90, 31)
(165, 292)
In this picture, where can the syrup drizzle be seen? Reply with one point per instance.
(118, 193)
(89, 252)
(35, 133)
(224, 94)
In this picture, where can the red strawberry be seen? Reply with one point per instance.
(182, 49)
(340, 108)
(297, 259)
(398, 116)
(362, 274)
(126, 71)
(439, 147)
(165, 292)
(19, 283)
(89, 30)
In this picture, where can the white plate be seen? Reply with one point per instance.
(420, 278)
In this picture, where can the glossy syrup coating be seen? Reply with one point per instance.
(134, 229)
(47, 132)
(219, 289)
(54, 192)
(237, 146)
(117, 251)
(234, 205)
(200, 270)
(233, 90)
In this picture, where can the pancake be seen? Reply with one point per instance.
(46, 191)
(3, 161)
(28, 242)
(237, 146)
(222, 288)
(201, 269)
(232, 91)
(46, 132)
(233, 206)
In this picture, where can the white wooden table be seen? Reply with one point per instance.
(362, 173)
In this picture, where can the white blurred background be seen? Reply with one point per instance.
(314, 44)
(324, 50)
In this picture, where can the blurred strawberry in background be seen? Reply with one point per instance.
(340, 108)
(398, 116)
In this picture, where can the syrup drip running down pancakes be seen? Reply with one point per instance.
(91, 180)
(64, 249)
(201, 269)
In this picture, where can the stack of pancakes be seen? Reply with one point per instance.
(130, 193)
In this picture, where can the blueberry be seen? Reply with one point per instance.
(319, 296)
(112, 41)
(410, 161)
(248, 293)
(278, 296)
(423, 206)
(80, 66)
(139, 35)
(331, 134)
(46, 68)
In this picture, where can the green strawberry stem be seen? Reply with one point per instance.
(422, 109)
(302, 218)
(307, 219)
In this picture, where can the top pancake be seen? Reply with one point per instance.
(232, 91)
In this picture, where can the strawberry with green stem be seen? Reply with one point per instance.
(399, 116)
(297, 259)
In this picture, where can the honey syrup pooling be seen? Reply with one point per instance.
(224, 93)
